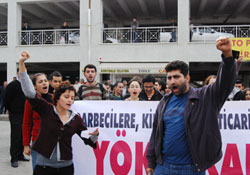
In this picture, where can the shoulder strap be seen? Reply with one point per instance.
(102, 90)
(80, 91)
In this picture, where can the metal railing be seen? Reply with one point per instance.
(204, 34)
(56, 37)
(140, 35)
(3, 39)
(208, 34)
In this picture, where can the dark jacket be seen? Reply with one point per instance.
(51, 89)
(156, 97)
(65, 27)
(52, 130)
(2, 92)
(26, 28)
(201, 122)
(14, 98)
(239, 96)
(113, 97)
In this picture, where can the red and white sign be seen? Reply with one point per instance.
(125, 128)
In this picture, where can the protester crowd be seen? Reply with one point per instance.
(122, 92)
(41, 105)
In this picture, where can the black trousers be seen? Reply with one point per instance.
(16, 137)
(46, 170)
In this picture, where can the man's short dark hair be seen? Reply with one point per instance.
(161, 83)
(90, 66)
(116, 84)
(238, 82)
(148, 79)
(55, 74)
(105, 83)
(178, 65)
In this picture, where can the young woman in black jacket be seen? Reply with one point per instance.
(58, 125)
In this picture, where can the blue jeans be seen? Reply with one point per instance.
(173, 34)
(136, 36)
(170, 169)
(33, 155)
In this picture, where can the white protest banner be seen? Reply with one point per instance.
(234, 122)
(125, 128)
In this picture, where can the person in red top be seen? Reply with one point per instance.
(41, 85)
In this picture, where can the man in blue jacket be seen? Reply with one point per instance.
(186, 138)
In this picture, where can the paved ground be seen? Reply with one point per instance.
(24, 168)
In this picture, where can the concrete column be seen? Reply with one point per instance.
(97, 23)
(14, 22)
(84, 4)
(11, 70)
(14, 25)
(183, 20)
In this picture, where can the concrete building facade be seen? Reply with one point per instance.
(114, 61)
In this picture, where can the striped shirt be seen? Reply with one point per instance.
(93, 92)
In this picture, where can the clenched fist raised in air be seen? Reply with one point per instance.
(224, 44)
(24, 56)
